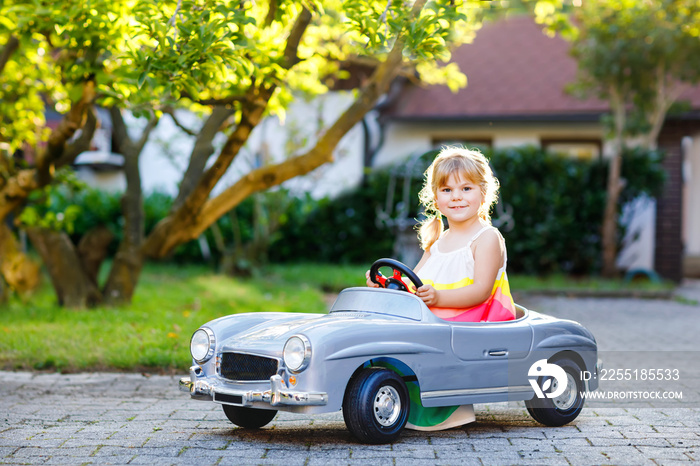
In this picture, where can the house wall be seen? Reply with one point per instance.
(110, 181)
(405, 138)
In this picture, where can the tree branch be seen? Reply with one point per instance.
(294, 38)
(185, 129)
(11, 45)
(271, 12)
(667, 92)
(120, 135)
(18, 187)
(202, 150)
(252, 110)
(213, 101)
(145, 134)
(172, 20)
(82, 143)
(71, 122)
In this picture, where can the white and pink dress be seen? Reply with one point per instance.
(446, 271)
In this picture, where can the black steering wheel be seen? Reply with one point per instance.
(394, 282)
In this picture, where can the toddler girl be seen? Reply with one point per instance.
(463, 268)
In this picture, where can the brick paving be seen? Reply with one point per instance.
(106, 418)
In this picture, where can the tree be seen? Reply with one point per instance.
(637, 56)
(234, 62)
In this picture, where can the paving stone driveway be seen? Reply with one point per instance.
(135, 419)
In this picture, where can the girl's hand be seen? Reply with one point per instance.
(428, 294)
(370, 283)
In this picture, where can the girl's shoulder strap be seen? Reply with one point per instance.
(478, 233)
(500, 239)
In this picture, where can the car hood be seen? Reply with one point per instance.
(269, 337)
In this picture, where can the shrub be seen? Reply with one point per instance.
(558, 202)
(96, 207)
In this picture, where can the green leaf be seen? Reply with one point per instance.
(142, 79)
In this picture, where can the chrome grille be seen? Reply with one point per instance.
(246, 367)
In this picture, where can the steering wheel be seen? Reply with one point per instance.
(394, 282)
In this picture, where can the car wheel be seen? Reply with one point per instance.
(376, 406)
(555, 412)
(250, 418)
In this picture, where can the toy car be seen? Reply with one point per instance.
(361, 356)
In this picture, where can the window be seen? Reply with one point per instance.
(587, 149)
(470, 143)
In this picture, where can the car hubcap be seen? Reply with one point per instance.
(387, 406)
(567, 399)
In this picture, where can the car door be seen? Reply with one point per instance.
(491, 347)
(486, 353)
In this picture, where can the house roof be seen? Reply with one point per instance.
(514, 71)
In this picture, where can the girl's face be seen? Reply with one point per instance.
(459, 200)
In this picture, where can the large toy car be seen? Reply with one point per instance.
(361, 356)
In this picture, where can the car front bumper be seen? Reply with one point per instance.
(278, 395)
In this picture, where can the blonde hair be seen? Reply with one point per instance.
(470, 165)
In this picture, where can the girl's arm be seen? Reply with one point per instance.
(422, 261)
(488, 258)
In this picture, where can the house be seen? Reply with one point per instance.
(516, 95)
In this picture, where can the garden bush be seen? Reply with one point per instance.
(95, 207)
(558, 202)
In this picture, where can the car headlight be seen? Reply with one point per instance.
(297, 353)
(202, 345)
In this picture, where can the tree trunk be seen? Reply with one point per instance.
(124, 275)
(74, 288)
(92, 251)
(17, 272)
(614, 187)
(127, 265)
(610, 217)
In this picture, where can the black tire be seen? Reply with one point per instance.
(555, 412)
(249, 418)
(376, 406)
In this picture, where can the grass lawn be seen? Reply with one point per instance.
(152, 334)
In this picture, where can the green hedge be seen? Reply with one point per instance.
(558, 205)
(98, 207)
